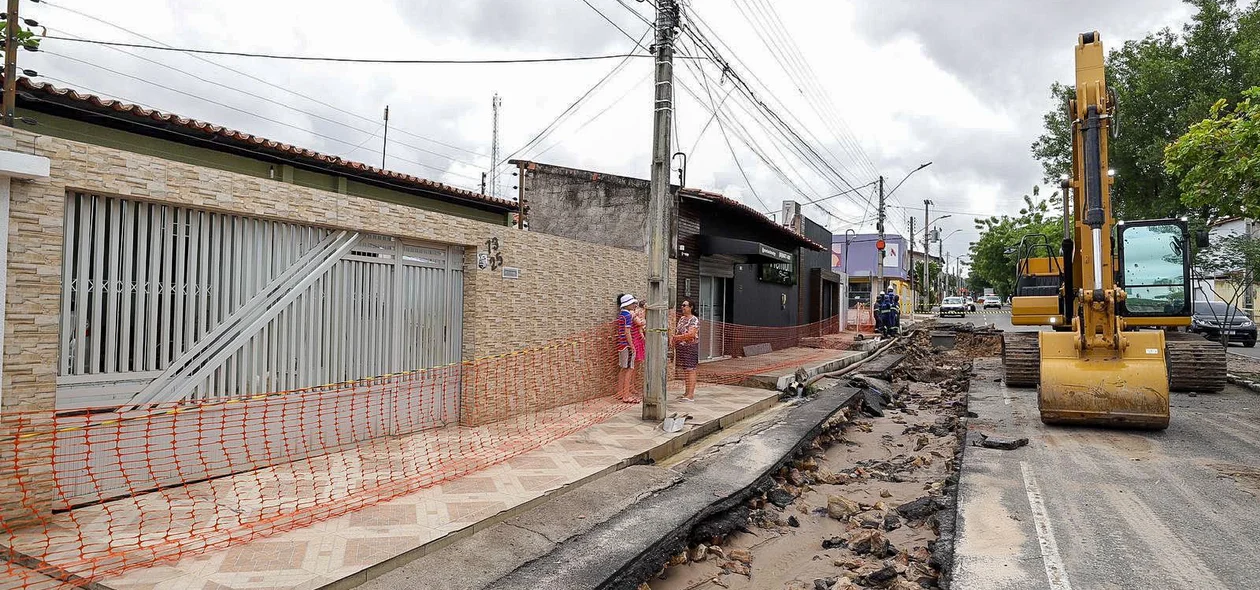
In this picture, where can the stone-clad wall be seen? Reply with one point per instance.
(565, 285)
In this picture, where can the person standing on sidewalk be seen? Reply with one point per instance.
(625, 352)
(686, 341)
(637, 336)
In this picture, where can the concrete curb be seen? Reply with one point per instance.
(1236, 380)
(632, 546)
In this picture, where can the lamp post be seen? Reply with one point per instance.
(927, 252)
(940, 245)
(848, 235)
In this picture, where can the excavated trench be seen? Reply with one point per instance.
(870, 502)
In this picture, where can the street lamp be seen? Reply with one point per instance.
(908, 175)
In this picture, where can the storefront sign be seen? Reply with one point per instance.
(776, 254)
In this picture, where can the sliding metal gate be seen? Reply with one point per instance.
(167, 304)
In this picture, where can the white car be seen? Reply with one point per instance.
(992, 301)
(953, 306)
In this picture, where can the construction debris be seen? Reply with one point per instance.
(865, 504)
(1001, 442)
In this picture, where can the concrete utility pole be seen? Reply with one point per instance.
(879, 226)
(914, 296)
(927, 257)
(385, 138)
(659, 203)
(10, 62)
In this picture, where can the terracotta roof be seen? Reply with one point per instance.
(740, 208)
(259, 145)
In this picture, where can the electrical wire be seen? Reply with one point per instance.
(541, 135)
(260, 97)
(239, 110)
(183, 156)
(355, 60)
(238, 72)
(695, 27)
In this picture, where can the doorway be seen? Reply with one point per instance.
(713, 315)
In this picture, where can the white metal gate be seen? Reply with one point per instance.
(167, 304)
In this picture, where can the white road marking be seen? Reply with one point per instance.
(1006, 396)
(1056, 573)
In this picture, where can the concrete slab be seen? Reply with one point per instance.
(629, 547)
(479, 560)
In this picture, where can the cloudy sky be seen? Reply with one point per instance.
(874, 87)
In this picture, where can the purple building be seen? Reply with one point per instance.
(857, 256)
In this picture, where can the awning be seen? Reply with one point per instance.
(717, 245)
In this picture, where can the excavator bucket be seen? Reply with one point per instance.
(1104, 387)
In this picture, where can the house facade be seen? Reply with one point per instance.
(159, 261)
(736, 265)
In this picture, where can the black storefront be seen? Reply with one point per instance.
(740, 269)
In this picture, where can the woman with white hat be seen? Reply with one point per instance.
(625, 350)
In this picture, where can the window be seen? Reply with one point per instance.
(1154, 269)
(779, 273)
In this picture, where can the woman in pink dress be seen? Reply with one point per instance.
(686, 341)
(639, 342)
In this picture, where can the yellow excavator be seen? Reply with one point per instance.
(1115, 297)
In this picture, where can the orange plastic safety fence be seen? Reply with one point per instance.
(91, 494)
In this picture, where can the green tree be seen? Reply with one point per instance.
(1217, 161)
(1164, 82)
(25, 37)
(934, 271)
(995, 254)
(1229, 269)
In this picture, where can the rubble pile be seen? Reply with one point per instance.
(977, 342)
(865, 505)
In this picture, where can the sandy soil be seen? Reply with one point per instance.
(877, 463)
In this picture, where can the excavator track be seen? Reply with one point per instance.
(1194, 363)
(1021, 358)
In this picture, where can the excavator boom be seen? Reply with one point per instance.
(1112, 278)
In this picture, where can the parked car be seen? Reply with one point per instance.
(992, 301)
(953, 306)
(1210, 318)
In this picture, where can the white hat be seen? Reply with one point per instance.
(628, 299)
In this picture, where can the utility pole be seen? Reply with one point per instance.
(914, 296)
(10, 61)
(940, 247)
(927, 257)
(659, 203)
(385, 139)
(495, 103)
(879, 226)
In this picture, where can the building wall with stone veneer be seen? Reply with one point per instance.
(565, 285)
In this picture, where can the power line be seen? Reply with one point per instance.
(809, 155)
(357, 60)
(812, 89)
(89, 137)
(371, 134)
(541, 135)
(260, 80)
(711, 50)
(240, 110)
(596, 116)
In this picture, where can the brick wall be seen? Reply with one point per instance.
(565, 286)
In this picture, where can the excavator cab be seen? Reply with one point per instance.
(1038, 284)
(1154, 261)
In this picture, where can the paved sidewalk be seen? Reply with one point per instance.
(346, 548)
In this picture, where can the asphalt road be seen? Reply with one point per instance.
(1098, 508)
(1000, 319)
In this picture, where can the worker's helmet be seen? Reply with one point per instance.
(891, 290)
